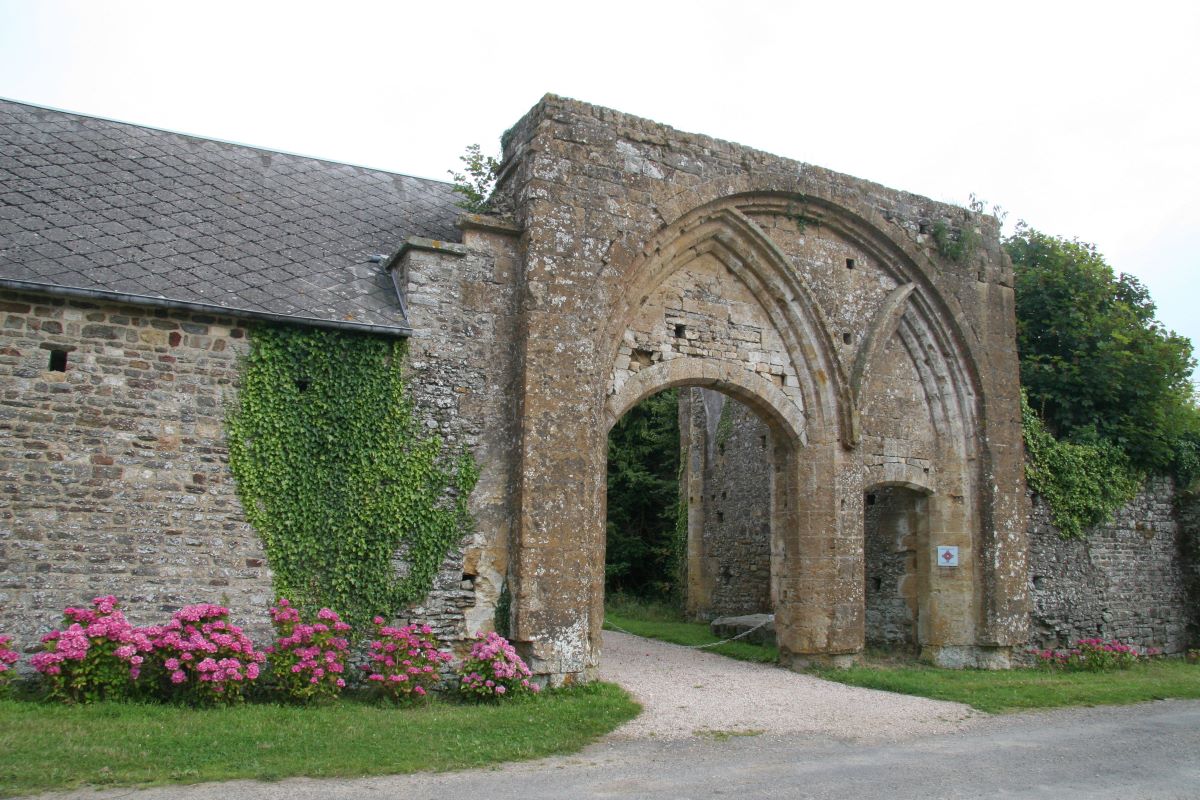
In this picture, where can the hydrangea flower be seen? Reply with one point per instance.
(204, 658)
(494, 669)
(98, 655)
(308, 659)
(404, 662)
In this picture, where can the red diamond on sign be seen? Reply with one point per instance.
(947, 556)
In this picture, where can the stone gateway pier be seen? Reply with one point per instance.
(871, 332)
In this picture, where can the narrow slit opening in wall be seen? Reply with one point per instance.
(846, 338)
(58, 360)
(876, 584)
(849, 263)
(870, 499)
(720, 516)
(762, 442)
(680, 331)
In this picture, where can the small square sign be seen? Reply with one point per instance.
(947, 556)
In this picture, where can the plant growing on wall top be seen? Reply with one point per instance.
(475, 186)
(338, 477)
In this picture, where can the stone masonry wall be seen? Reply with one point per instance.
(461, 371)
(889, 549)
(113, 472)
(1127, 579)
(1134, 578)
(736, 536)
(1189, 532)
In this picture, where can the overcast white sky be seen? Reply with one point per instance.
(1081, 118)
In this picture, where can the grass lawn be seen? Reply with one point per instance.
(1022, 689)
(45, 746)
(987, 690)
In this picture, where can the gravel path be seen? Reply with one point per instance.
(688, 692)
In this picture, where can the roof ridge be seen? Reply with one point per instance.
(228, 142)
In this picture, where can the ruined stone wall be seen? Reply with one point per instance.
(1188, 505)
(654, 257)
(1134, 578)
(113, 473)
(1127, 579)
(735, 537)
(891, 521)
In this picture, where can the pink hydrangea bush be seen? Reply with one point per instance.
(97, 656)
(494, 670)
(1094, 655)
(203, 659)
(308, 659)
(8, 657)
(404, 663)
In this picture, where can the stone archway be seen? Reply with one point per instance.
(652, 258)
(780, 447)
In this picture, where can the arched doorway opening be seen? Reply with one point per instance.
(689, 518)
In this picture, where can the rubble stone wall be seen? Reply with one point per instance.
(114, 474)
(735, 543)
(113, 468)
(1127, 579)
(1133, 578)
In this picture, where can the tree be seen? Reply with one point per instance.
(643, 494)
(1095, 362)
(475, 187)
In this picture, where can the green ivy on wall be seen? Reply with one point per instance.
(337, 476)
(681, 534)
(1083, 484)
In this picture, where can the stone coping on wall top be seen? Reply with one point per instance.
(430, 245)
(490, 224)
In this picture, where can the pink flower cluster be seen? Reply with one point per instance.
(8, 657)
(98, 654)
(494, 669)
(404, 662)
(1095, 655)
(308, 659)
(204, 657)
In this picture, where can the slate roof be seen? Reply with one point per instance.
(89, 205)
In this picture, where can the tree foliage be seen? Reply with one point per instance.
(643, 496)
(476, 184)
(1095, 362)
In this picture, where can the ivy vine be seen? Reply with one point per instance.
(724, 424)
(1083, 484)
(338, 477)
(680, 543)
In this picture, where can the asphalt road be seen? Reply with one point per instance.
(1150, 750)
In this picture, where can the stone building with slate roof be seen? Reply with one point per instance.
(629, 258)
